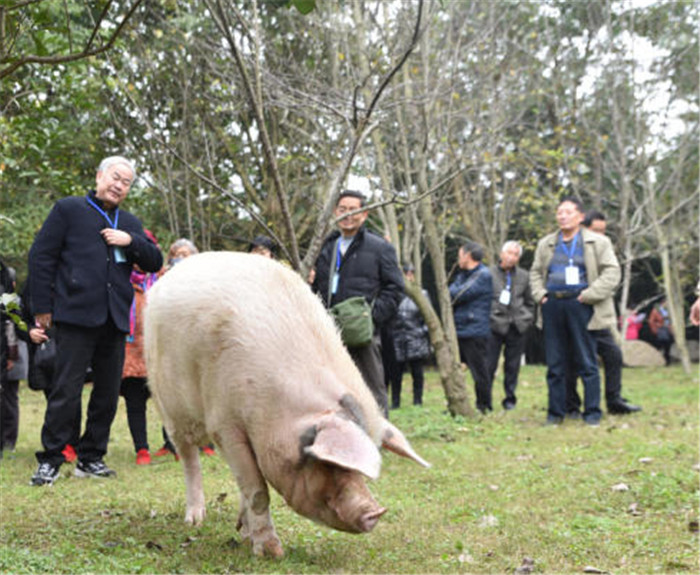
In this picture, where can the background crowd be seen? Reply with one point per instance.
(79, 318)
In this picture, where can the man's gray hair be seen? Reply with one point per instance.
(111, 160)
(513, 243)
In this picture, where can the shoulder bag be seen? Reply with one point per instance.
(353, 316)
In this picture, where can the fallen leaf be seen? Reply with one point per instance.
(589, 569)
(633, 509)
(526, 457)
(465, 558)
(645, 460)
(693, 526)
(187, 542)
(526, 567)
(111, 544)
(154, 545)
(488, 521)
(620, 487)
(494, 487)
(221, 497)
(696, 467)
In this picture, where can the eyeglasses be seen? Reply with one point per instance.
(344, 210)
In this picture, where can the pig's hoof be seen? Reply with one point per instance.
(271, 548)
(195, 515)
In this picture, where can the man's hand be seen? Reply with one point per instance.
(38, 335)
(695, 312)
(116, 237)
(43, 320)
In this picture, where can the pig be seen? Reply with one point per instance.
(241, 352)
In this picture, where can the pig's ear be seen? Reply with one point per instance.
(394, 440)
(344, 443)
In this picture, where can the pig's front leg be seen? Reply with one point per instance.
(254, 520)
(193, 483)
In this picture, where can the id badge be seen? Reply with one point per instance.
(572, 278)
(334, 283)
(505, 297)
(119, 255)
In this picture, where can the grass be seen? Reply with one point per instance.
(502, 488)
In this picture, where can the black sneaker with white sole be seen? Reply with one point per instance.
(45, 474)
(93, 469)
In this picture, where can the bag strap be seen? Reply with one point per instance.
(469, 283)
(334, 262)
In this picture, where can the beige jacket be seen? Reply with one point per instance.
(602, 271)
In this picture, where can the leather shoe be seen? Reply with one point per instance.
(621, 407)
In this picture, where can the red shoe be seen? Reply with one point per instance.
(69, 453)
(206, 450)
(143, 457)
(162, 452)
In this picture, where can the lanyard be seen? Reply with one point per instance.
(508, 280)
(104, 214)
(569, 254)
(338, 255)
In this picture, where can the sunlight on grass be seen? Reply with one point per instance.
(502, 488)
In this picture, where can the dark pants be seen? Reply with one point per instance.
(416, 367)
(368, 360)
(391, 366)
(474, 352)
(513, 342)
(9, 414)
(77, 348)
(611, 355)
(566, 337)
(135, 392)
(77, 416)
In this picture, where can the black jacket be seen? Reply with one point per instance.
(72, 271)
(521, 311)
(369, 268)
(411, 339)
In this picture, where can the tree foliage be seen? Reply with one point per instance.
(465, 120)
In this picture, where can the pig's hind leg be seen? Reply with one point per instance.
(254, 520)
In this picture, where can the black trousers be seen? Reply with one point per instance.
(9, 414)
(513, 343)
(368, 360)
(135, 392)
(611, 356)
(76, 349)
(474, 352)
(416, 368)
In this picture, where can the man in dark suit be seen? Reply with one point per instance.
(364, 264)
(512, 313)
(79, 270)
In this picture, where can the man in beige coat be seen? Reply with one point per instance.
(573, 278)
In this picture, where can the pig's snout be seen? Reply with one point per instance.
(369, 520)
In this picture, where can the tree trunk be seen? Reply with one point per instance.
(451, 373)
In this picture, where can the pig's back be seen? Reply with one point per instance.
(234, 334)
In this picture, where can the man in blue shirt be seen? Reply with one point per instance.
(573, 277)
(471, 294)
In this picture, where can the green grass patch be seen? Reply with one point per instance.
(502, 488)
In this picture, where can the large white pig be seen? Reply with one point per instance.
(240, 351)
